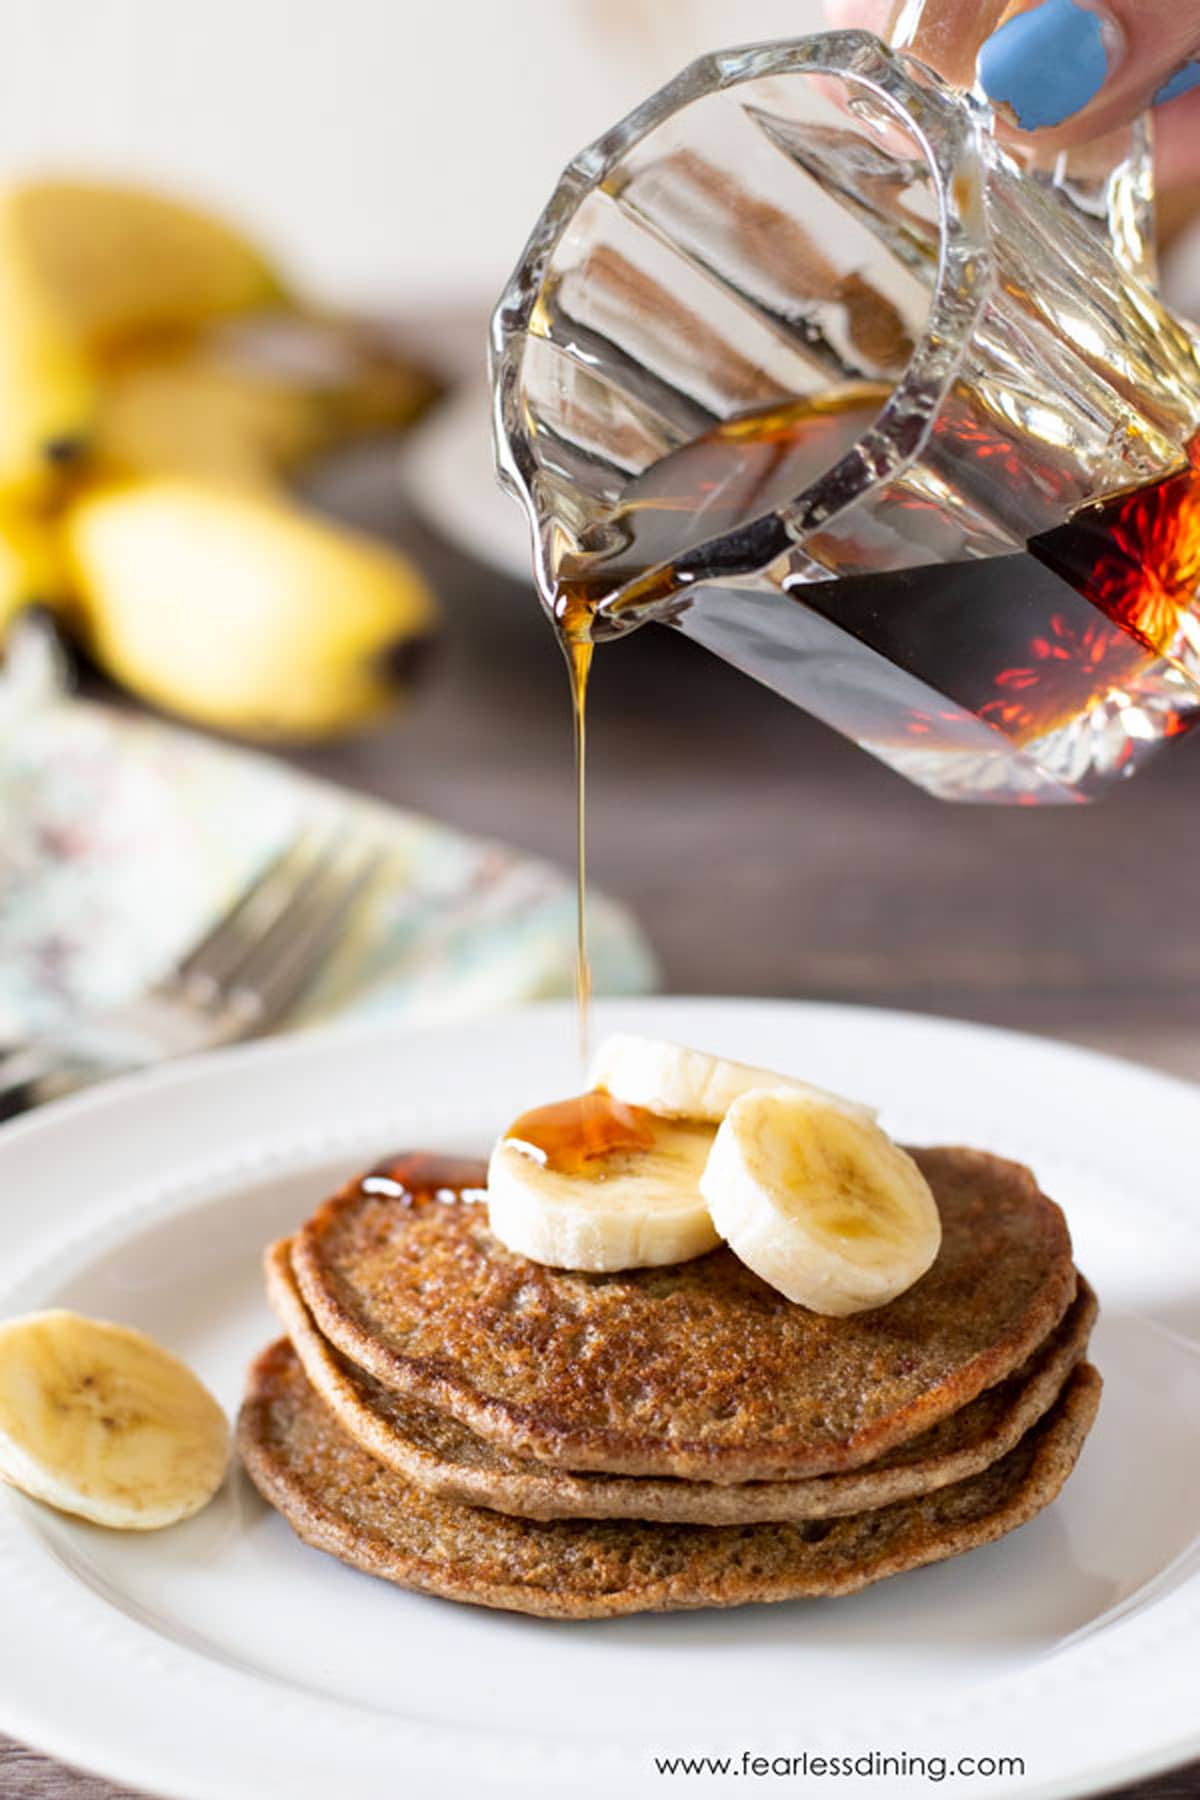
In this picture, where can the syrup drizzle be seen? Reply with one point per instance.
(419, 1177)
(578, 651)
(569, 1136)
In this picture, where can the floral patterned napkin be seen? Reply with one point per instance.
(122, 839)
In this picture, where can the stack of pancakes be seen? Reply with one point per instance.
(458, 1419)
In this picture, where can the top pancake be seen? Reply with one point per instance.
(446, 1458)
(699, 1369)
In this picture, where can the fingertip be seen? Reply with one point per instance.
(1046, 64)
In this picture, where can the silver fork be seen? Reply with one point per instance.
(237, 982)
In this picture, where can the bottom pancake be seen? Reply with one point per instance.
(339, 1499)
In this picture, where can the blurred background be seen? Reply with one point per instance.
(363, 142)
(368, 174)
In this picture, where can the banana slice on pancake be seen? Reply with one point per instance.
(593, 1184)
(673, 1149)
(819, 1202)
(100, 1421)
(679, 1083)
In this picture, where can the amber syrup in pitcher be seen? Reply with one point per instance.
(1024, 642)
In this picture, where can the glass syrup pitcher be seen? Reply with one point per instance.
(801, 361)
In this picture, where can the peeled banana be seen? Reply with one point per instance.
(241, 612)
(681, 1083)
(819, 1202)
(634, 1204)
(674, 1149)
(100, 1421)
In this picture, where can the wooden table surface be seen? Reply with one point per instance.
(767, 857)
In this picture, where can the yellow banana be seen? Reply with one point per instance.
(86, 266)
(47, 390)
(249, 403)
(114, 262)
(819, 1201)
(100, 1421)
(178, 412)
(31, 566)
(590, 1183)
(240, 612)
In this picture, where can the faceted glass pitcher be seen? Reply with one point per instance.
(802, 362)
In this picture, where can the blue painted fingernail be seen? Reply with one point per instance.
(1046, 64)
(1181, 82)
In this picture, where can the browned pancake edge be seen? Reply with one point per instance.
(699, 1370)
(447, 1459)
(339, 1500)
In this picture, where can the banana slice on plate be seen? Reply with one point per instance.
(100, 1421)
(593, 1184)
(680, 1083)
(819, 1202)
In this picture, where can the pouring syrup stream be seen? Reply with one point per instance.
(578, 650)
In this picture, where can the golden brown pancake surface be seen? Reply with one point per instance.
(446, 1458)
(699, 1370)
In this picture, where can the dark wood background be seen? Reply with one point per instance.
(767, 857)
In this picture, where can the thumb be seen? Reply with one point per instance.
(1071, 70)
(1077, 69)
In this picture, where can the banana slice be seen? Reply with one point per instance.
(819, 1202)
(593, 1184)
(680, 1083)
(100, 1421)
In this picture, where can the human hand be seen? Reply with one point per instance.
(1069, 70)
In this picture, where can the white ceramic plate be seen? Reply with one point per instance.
(224, 1659)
